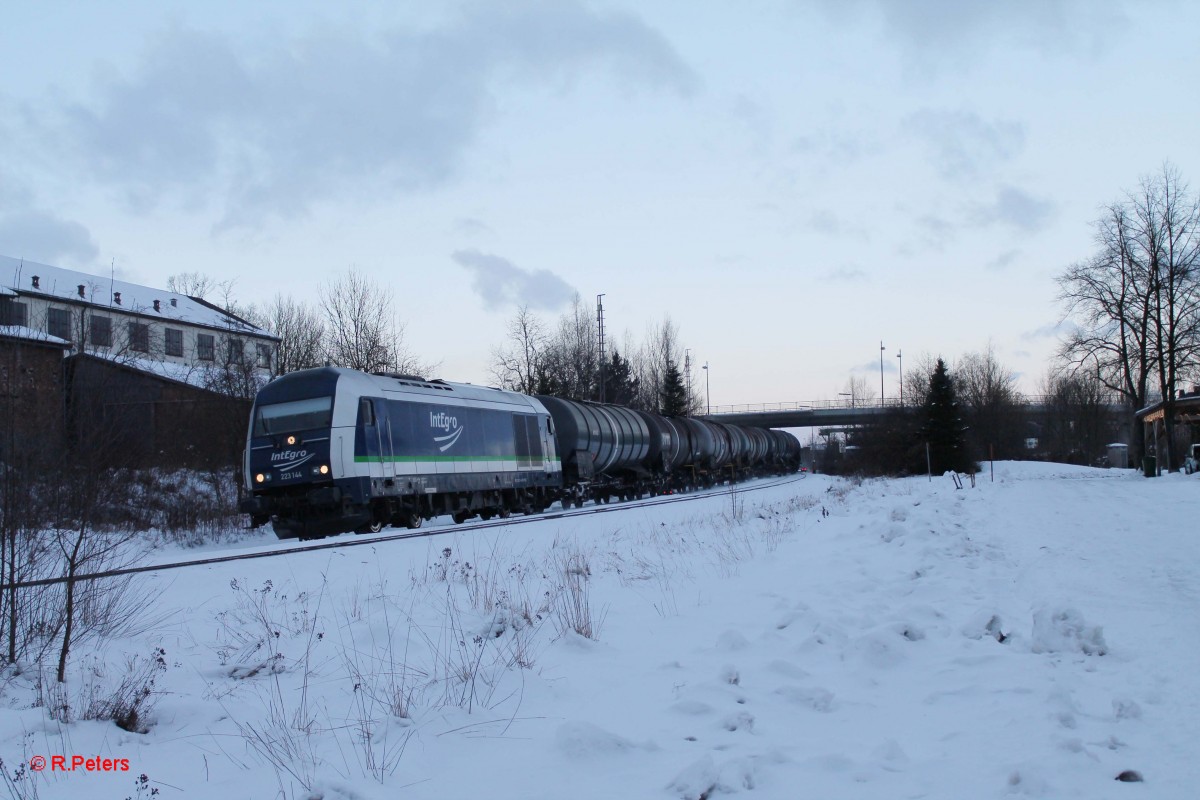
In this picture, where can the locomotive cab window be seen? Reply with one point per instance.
(366, 412)
(298, 415)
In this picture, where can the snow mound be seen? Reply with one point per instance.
(1065, 631)
(816, 698)
(703, 779)
(578, 739)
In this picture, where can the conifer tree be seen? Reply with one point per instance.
(943, 427)
(674, 394)
(620, 387)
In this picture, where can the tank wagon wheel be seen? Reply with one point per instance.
(460, 517)
(374, 526)
(411, 519)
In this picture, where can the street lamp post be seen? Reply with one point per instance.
(707, 393)
(900, 355)
(881, 349)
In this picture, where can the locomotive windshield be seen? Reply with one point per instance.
(297, 415)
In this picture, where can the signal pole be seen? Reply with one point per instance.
(687, 376)
(600, 337)
(881, 349)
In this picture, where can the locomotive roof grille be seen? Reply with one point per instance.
(414, 381)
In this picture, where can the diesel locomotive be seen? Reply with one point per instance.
(331, 450)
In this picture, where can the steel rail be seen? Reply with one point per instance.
(415, 534)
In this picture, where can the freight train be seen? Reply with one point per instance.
(332, 450)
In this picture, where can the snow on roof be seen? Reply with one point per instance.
(204, 376)
(16, 276)
(21, 332)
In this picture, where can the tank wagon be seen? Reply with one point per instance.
(331, 450)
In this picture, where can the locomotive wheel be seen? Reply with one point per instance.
(504, 513)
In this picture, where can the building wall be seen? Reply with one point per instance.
(38, 312)
(144, 420)
(31, 399)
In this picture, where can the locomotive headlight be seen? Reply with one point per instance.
(259, 478)
(321, 470)
(291, 440)
(324, 469)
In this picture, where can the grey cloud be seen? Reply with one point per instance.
(962, 143)
(846, 275)
(1017, 208)
(825, 221)
(500, 283)
(843, 147)
(41, 236)
(1051, 330)
(931, 32)
(338, 114)
(1004, 260)
(471, 227)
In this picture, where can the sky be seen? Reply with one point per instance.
(792, 183)
(1017, 638)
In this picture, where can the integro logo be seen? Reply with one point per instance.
(291, 458)
(442, 421)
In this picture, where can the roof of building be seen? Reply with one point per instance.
(198, 376)
(16, 277)
(1186, 409)
(32, 335)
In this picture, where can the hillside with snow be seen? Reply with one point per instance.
(1035, 635)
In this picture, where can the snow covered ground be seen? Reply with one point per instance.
(1035, 636)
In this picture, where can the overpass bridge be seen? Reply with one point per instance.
(832, 413)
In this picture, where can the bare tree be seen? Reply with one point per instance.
(660, 353)
(1077, 423)
(301, 333)
(861, 391)
(362, 331)
(200, 285)
(916, 379)
(519, 365)
(987, 390)
(1167, 246)
(1136, 302)
(572, 359)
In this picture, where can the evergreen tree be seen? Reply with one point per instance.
(674, 394)
(943, 428)
(620, 387)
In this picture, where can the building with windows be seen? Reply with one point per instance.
(125, 321)
(151, 364)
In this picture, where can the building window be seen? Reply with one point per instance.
(58, 323)
(173, 342)
(139, 337)
(264, 355)
(13, 313)
(236, 352)
(205, 347)
(100, 331)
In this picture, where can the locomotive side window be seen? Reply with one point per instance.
(366, 412)
(298, 415)
(528, 440)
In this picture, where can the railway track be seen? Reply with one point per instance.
(766, 483)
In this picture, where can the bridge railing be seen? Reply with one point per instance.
(807, 405)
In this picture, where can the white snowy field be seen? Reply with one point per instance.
(1036, 636)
